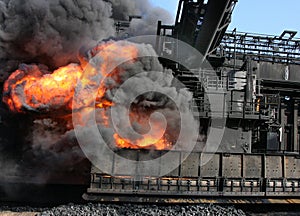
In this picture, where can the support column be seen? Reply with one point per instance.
(295, 128)
(283, 122)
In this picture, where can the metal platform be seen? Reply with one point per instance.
(225, 175)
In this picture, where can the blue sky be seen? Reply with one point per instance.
(257, 16)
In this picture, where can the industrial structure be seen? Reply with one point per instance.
(259, 78)
(248, 88)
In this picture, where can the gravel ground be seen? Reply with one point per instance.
(128, 210)
(8, 213)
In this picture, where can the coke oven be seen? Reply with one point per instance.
(245, 93)
(258, 78)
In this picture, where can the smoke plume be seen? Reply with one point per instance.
(124, 9)
(47, 34)
(51, 32)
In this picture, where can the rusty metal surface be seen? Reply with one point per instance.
(252, 166)
(225, 175)
(119, 166)
(212, 167)
(232, 166)
(274, 167)
(292, 167)
(190, 167)
(175, 156)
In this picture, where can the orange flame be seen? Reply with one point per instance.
(147, 142)
(42, 91)
(31, 89)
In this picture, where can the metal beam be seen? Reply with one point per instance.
(215, 14)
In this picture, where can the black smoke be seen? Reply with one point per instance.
(51, 32)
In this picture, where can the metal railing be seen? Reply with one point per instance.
(268, 48)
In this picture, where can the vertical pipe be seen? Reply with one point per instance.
(158, 27)
(249, 86)
(235, 41)
(282, 123)
(158, 33)
(295, 128)
(258, 79)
